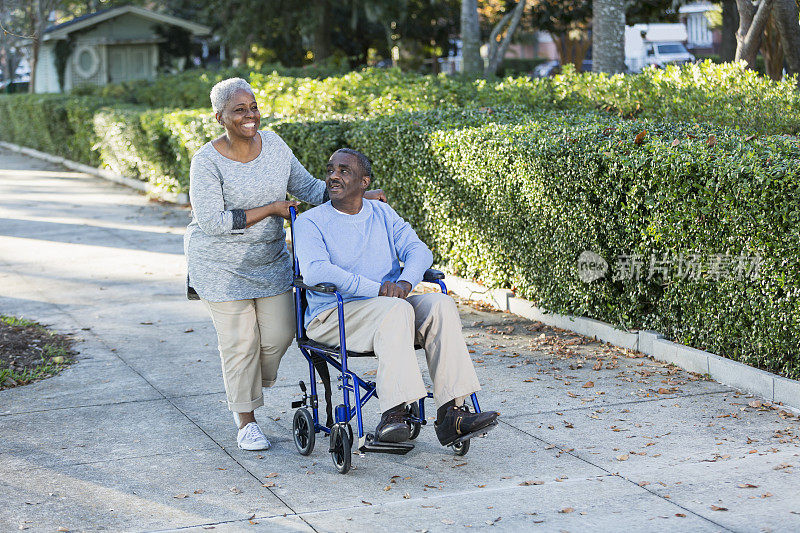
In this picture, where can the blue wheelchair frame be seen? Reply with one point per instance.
(350, 382)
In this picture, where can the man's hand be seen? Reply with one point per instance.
(395, 290)
(376, 194)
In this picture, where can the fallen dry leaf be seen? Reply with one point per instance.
(272, 474)
(566, 510)
(718, 508)
(712, 140)
(235, 490)
(623, 457)
(588, 385)
(533, 482)
(675, 143)
(181, 496)
(365, 502)
(268, 484)
(640, 137)
(747, 486)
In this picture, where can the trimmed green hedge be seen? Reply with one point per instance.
(511, 195)
(513, 202)
(724, 94)
(57, 124)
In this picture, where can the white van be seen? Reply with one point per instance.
(655, 44)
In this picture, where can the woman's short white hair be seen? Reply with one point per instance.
(223, 91)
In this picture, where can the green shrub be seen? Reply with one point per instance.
(728, 95)
(57, 124)
(512, 199)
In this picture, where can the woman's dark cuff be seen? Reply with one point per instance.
(239, 219)
(325, 196)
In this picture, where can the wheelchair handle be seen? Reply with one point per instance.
(325, 287)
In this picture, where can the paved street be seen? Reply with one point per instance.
(135, 436)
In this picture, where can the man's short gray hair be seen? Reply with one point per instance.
(223, 91)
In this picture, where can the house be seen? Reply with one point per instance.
(110, 46)
(702, 39)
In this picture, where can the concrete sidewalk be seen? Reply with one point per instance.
(135, 436)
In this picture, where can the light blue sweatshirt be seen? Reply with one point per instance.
(357, 252)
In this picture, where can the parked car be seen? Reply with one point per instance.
(656, 44)
(551, 68)
(17, 85)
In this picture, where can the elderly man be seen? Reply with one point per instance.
(359, 246)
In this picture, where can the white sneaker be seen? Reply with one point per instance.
(252, 438)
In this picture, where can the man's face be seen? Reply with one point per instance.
(345, 178)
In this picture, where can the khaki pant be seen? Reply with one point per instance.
(253, 335)
(390, 327)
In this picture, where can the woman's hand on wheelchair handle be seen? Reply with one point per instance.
(281, 208)
(376, 194)
(395, 290)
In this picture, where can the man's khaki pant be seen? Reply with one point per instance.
(253, 335)
(389, 327)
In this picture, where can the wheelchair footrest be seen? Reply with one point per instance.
(398, 448)
(480, 433)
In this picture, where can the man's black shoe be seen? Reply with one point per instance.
(459, 421)
(393, 426)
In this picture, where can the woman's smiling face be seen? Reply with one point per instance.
(241, 116)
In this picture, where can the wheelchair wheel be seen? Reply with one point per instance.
(413, 410)
(341, 444)
(461, 448)
(304, 434)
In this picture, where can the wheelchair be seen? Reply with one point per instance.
(355, 390)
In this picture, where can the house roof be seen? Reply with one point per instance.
(60, 31)
(697, 7)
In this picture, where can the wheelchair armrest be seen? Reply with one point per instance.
(433, 275)
(325, 287)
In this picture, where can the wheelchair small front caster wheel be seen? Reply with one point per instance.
(304, 435)
(461, 448)
(341, 445)
(413, 410)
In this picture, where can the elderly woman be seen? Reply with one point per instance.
(236, 247)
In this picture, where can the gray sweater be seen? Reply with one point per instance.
(226, 260)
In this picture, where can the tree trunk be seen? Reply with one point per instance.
(752, 20)
(608, 36)
(322, 38)
(33, 59)
(786, 18)
(472, 64)
(771, 49)
(730, 22)
(5, 61)
(572, 47)
(499, 47)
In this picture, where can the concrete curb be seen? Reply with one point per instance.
(738, 375)
(175, 198)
